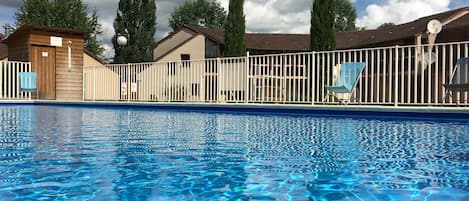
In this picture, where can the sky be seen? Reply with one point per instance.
(266, 16)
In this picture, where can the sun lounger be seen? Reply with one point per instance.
(348, 79)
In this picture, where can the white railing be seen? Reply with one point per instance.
(398, 75)
(9, 80)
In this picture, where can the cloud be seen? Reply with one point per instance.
(276, 16)
(264, 16)
(107, 12)
(400, 11)
(11, 3)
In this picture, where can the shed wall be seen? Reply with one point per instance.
(69, 84)
(18, 49)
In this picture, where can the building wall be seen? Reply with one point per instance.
(233, 79)
(171, 43)
(18, 48)
(195, 47)
(100, 82)
(171, 81)
(69, 85)
(165, 81)
(90, 61)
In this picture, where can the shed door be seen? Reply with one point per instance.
(43, 62)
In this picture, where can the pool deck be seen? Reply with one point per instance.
(370, 111)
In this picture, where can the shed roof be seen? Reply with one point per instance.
(3, 48)
(28, 28)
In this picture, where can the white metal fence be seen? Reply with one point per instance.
(9, 80)
(398, 75)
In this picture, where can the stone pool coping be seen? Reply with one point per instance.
(368, 111)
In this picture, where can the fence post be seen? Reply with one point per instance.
(30, 69)
(313, 76)
(218, 69)
(396, 87)
(129, 92)
(94, 83)
(84, 85)
(246, 92)
(2, 66)
(17, 80)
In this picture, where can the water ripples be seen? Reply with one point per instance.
(67, 153)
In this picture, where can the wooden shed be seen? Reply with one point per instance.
(56, 54)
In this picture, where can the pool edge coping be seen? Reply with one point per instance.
(331, 110)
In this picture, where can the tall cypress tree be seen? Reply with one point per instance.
(235, 28)
(322, 25)
(136, 20)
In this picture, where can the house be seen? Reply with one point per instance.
(455, 28)
(196, 43)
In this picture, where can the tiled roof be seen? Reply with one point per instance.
(366, 38)
(284, 42)
(260, 41)
(344, 40)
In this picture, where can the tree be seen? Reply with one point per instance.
(8, 29)
(235, 30)
(345, 16)
(136, 20)
(71, 14)
(322, 31)
(206, 13)
(386, 25)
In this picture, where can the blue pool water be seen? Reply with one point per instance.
(78, 153)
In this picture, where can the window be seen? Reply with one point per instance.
(212, 50)
(185, 59)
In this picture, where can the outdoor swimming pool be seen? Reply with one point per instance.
(80, 153)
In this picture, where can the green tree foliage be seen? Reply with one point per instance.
(345, 16)
(136, 20)
(386, 25)
(235, 30)
(71, 14)
(206, 13)
(322, 25)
